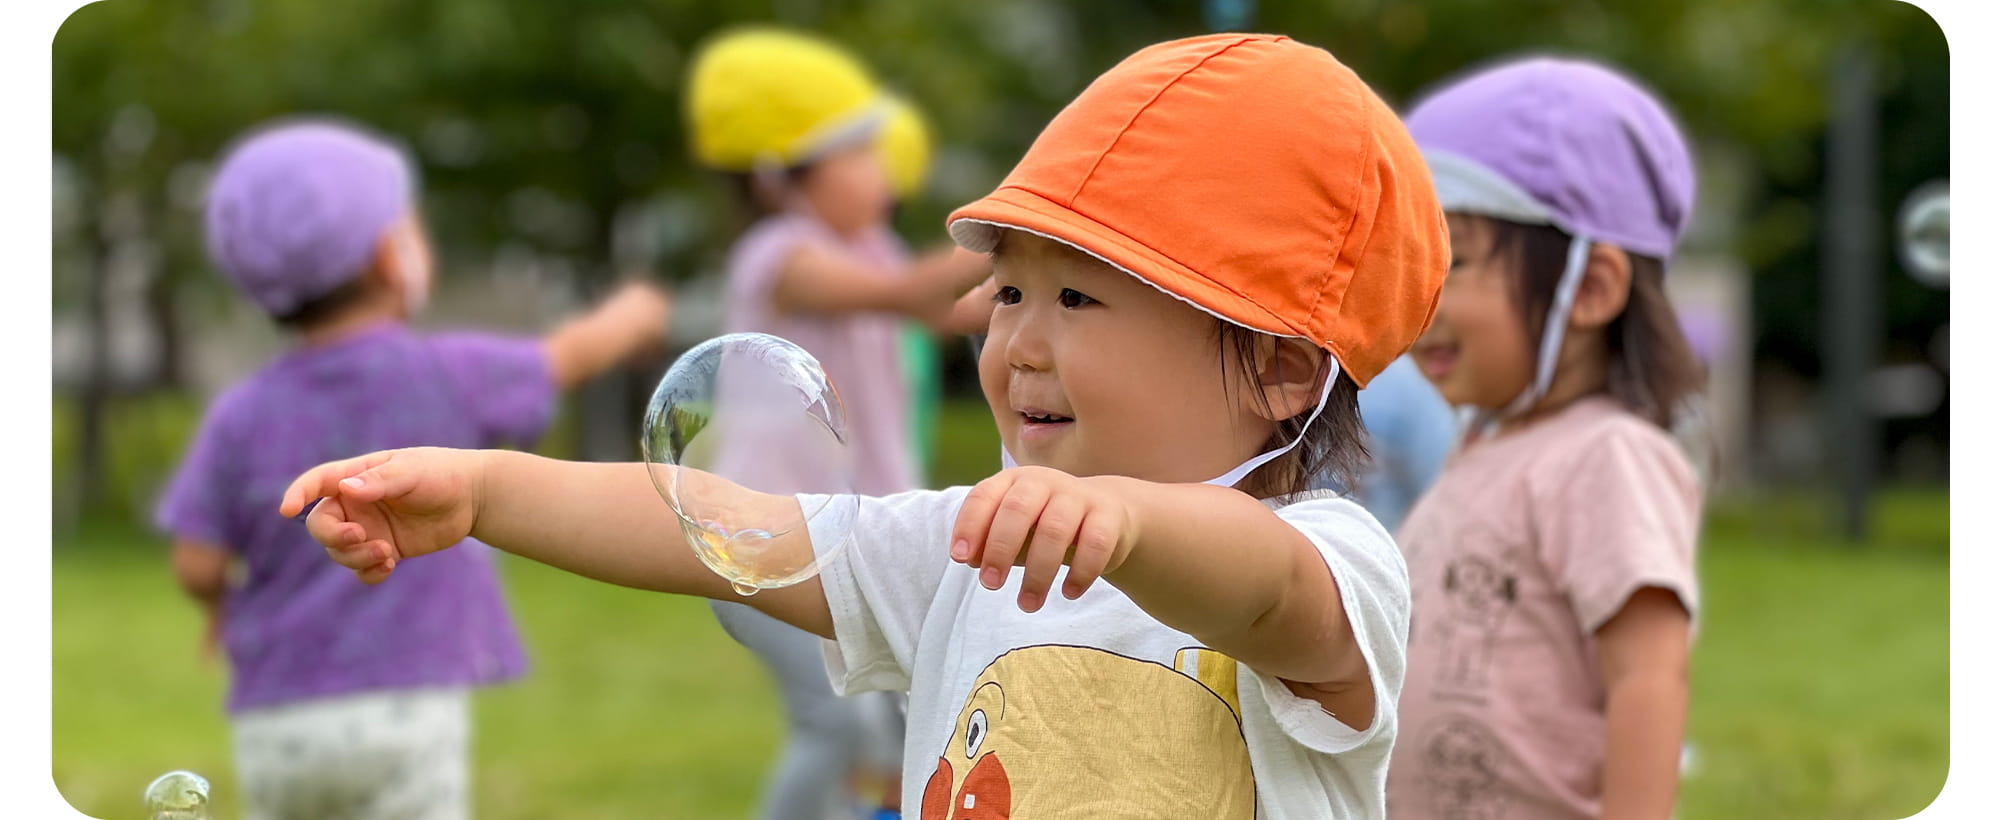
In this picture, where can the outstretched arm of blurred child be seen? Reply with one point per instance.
(1643, 652)
(601, 521)
(1209, 561)
(629, 321)
(202, 569)
(818, 280)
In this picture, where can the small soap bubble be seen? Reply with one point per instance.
(177, 795)
(760, 412)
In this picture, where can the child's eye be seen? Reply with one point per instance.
(1007, 295)
(1072, 299)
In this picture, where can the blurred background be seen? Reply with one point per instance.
(551, 142)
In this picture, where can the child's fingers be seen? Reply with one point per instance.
(1096, 539)
(362, 555)
(1054, 531)
(324, 481)
(975, 517)
(329, 525)
(1013, 520)
(377, 573)
(388, 479)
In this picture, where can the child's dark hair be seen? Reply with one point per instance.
(1335, 445)
(325, 306)
(1653, 369)
(745, 186)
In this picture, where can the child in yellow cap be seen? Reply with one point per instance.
(1197, 265)
(798, 125)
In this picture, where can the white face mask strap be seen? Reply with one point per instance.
(1230, 479)
(1552, 329)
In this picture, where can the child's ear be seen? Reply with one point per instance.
(385, 264)
(1606, 285)
(1288, 373)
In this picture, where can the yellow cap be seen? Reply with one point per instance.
(906, 146)
(765, 97)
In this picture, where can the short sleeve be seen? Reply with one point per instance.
(1621, 515)
(506, 384)
(882, 586)
(196, 502)
(1375, 593)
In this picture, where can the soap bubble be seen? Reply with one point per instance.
(177, 795)
(760, 412)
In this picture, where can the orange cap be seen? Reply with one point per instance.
(1250, 175)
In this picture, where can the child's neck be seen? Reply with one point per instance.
(350, 323)
(1581, 371)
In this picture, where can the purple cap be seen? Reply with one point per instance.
(298, 206)
(1560, 142)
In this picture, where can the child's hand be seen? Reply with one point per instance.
(1041, 519)
(387, 506)
(647, 305)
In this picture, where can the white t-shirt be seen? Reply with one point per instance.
(1091, 708)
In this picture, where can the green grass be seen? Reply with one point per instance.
(1820, 676)
(636, 705)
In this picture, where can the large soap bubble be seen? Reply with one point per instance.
(760, 412)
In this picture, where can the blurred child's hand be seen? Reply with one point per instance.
(1040, 519)
(387, 506)
(644, 306)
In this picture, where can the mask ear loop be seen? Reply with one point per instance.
(1231, 478)
(1553, 328)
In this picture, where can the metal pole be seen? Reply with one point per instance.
(1851, 318)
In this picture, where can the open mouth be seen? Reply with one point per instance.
(1035, 420)
(1045, 418)
(1436, 359)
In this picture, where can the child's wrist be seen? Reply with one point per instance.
(476, 485)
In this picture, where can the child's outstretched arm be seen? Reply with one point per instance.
(1209, 561)
(601, 521)
(625, 323)
(817, 280)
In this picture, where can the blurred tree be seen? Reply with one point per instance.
(552, 132)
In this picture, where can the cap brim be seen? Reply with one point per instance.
(1466, 186)
(979, 226)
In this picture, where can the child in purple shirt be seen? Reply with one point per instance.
(348, 700)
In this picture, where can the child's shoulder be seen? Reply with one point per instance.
(1332, 516)
(1600, 434)
(1601, 421)
(247, 399)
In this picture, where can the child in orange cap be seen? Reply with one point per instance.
(1197, 266)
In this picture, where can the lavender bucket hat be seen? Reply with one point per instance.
(297, 207)
(1566, 143)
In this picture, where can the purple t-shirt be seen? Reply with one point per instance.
(300, 626)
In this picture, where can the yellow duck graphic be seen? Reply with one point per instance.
(1077, 732)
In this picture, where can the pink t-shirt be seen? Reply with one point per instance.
(1527, 544)
(860, 352)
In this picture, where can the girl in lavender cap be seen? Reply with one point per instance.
(1552, 564)
(351, 701)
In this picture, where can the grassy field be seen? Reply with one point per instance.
(1820, 677)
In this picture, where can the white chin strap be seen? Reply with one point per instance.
(1552, 331)
(1231, 478)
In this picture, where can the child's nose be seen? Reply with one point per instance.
(1028, 346)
